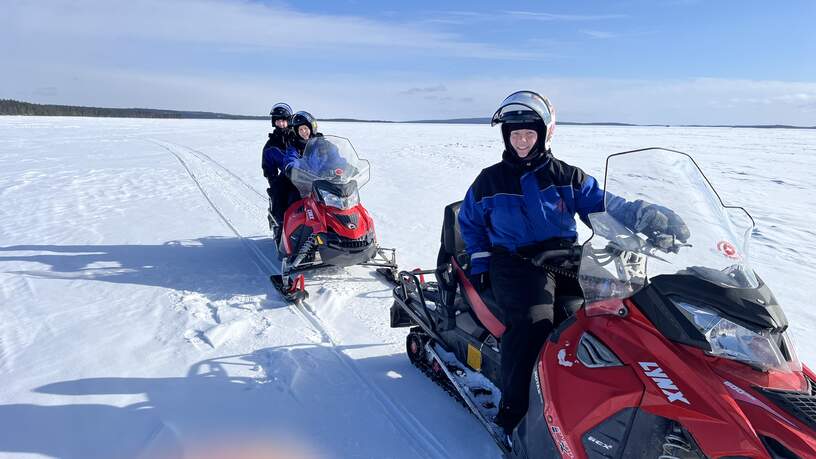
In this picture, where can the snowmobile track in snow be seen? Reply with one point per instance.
(423, 440)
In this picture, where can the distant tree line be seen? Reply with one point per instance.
(16, 107)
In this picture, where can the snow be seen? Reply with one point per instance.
(137, 320)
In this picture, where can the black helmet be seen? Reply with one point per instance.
(304, 118)
(526, 110)
(280, 111)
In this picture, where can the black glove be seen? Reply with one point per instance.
(657, 221)
(479, 281)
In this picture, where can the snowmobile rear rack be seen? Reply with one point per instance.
(413, 288)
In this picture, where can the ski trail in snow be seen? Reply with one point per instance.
(429, 445)
(208, 158)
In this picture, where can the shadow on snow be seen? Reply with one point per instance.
(218, 267)
(291, 395)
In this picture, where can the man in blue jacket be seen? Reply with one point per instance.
(520, 207)
(279, 139)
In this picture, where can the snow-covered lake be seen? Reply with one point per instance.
(136, 319)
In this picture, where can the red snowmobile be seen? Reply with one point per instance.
(673, 350)
(328, 226)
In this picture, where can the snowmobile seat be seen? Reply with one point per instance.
(482, 303)
(452, 253)
(452, 243)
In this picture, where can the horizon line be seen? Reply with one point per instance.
(188, 114)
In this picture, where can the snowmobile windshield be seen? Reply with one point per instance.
(618, 260)
(328, 158)
(521, 105)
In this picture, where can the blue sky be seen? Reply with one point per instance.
(660, 61)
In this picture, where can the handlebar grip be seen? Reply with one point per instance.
(571, 253)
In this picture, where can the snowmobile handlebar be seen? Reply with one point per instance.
(570, 255)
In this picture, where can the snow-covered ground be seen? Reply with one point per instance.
(136, 320)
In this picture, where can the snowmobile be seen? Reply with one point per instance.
(671, 351)
(328, 226)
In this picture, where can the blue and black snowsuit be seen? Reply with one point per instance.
(516, 204)
(273, 153)
(516, 209)
(296, 149)
(319, 162)
(512, 211)
(281, 191)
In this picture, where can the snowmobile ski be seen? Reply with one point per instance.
(292, 289)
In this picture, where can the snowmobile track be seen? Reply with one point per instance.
(424, 441)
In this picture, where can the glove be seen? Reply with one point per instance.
(655, 221)
(479, 281)
(287, 171)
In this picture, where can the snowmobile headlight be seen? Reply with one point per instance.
(332, 200)
(762, 349)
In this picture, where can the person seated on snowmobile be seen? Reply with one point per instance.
(272, 163)
(303, 127)
(275, 148)
(323, 160)
(523, 206)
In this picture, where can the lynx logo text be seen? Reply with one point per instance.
(664, 383)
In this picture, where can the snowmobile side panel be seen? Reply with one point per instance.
(560, 373)
(659, 377)
(532, 438)
(299, 214)
(608, 439)
(457, 341)
(466, 323)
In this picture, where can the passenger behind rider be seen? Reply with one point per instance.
(323, 160)
(523, 206)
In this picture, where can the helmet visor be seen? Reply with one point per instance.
(523, 106)
(281, 108)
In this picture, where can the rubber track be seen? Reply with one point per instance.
(427, 442)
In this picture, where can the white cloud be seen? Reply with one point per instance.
(232, 25)
(599, 34)
(549, 17)
(81, 52)
(688, 101)
(425, 90)
(466, 17)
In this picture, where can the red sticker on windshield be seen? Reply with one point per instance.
(338, 171)
(728, 249)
